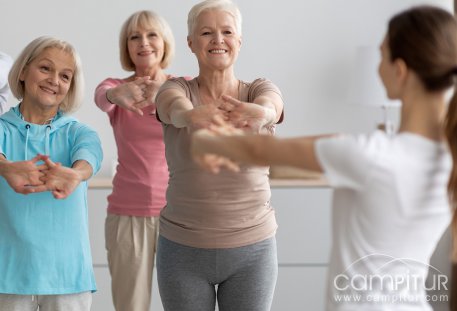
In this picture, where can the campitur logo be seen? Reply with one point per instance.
(379, 278)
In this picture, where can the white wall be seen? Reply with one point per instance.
(306, 47)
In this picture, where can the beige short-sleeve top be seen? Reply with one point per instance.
(208, 210)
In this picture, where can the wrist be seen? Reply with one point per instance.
(82, 169)
(269, 116)
(108, 98)
(3, 164)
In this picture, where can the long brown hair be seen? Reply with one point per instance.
(425, 37)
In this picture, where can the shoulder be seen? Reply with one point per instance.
(260, 82)
(171, 76)
(180, 83)
(259, 86)
(77, 128)
(111, 82)
(356, 144)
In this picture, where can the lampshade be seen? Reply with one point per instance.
(367, 87)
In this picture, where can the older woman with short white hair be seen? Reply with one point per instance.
(216, 231)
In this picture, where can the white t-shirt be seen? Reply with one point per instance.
(390, 208)
(5, 65)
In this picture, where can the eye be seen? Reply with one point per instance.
(152, 34)
(45, 68)
(66, 77)
(205, 33)
(227, 32)
(134, 37)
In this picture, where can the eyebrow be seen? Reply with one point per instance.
(223, 27)
(51, 61)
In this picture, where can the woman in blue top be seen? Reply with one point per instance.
(45, 258)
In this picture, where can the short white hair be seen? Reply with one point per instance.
(222, 5)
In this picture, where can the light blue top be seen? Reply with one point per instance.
(44, 242)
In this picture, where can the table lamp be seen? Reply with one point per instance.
(367, 88)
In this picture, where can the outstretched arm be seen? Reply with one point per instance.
(258, 149)
(133, 95)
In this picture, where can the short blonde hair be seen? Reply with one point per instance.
(146, 19)
(222, 5)
(74, 97)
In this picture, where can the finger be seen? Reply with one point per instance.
(59, 194)
(49, 162)
(232, 100)
(219, 120)
(23, 189)
(35, 189)
(136, 110)
(39, 157)
(40, 175)
(231, 166)
(217, 130)
(140, 80)
(35, 182)
(141, 104)
(226, 107)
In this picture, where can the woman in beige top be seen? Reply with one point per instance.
(216, 231)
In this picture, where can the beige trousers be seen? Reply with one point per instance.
(131, 245)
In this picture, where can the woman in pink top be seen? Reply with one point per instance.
(217, 232)
(146, 48)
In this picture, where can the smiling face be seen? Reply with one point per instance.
(215, 40)
(146, 48)
(48, 78)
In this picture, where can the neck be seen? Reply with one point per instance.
(155, 73)
(423, 113)
(216, 84)
(37, 115)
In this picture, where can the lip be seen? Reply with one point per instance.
(48, 90)
(145, 53)
(211, 51)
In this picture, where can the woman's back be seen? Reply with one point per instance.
(390, 209)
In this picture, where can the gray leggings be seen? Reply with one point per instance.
(245, 277)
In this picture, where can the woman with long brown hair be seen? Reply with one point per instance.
(390, 203)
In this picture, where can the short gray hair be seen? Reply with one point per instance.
(222, 5)
(74, 97)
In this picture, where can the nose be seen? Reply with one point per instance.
(144, 41)
(53, 78)
(218, 38)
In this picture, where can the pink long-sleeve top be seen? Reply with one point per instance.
(141, 178)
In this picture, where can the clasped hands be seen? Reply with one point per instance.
(135, 95)
(31, 177)
(232, 117)
(249, 117)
